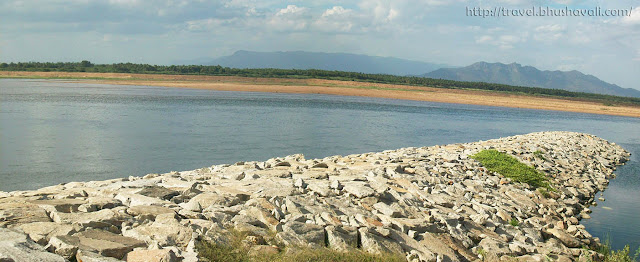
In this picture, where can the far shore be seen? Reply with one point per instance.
(336, 87)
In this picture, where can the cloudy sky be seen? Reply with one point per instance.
(439, 31)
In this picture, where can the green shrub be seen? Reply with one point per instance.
(622, 255)
(510, 167)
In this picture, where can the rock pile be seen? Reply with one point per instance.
(431, 204)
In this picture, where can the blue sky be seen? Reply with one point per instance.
(438, 31)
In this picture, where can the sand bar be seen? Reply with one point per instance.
(336, 87)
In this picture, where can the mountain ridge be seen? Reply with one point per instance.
(529, 76)
(324, 61)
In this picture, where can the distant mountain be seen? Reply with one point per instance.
(324, 61)
(516, 74)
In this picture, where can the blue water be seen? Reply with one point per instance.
(53, 132)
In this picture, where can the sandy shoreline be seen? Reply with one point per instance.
(335, 87)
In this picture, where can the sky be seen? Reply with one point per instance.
(436, 31)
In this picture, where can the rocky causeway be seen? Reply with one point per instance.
(429, 204)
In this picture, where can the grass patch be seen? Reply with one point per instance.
(539, 154)
(514, 222)
(544, 192)
(510, 167)
(622, 255)
(236, 250)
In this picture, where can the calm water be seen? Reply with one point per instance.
(53, 132)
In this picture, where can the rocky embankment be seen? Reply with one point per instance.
(431, 204)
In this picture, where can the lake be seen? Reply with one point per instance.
(55, 131)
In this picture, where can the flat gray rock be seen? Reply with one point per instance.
(98, 241)
(15, 246)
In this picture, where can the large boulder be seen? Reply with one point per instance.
(342, 238)
(41, 232)
(156, 255)
(377, 241)
(100, 219)
(158, 192)
(564, 237)
(302, 234)
(100, 242)
(149, 212)
(17, 213)
(98, 203)
(358, 189)
(66, 205)
(16, 247)
(165, 230)
(204, 200)
(88, 256)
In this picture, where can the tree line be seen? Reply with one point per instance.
(216, 70)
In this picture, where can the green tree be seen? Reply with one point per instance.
(86, 63)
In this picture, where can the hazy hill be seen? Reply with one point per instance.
(324, 61)
(516, 74)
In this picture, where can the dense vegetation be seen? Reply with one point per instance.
(510, 167)
(86, 66)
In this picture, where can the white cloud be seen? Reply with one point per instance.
(126, 3)
(485, 39)
(501, 41)
(507, 41)
(291, 18)
(633, 18)
(336, 19)
(380, 11)
(548, 33)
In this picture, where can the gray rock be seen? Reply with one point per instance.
(149, 212)
(494, 247)
(88, 256)
(342, 238)
(157, 255)
(165, 230)
(299, 183)
(17, 213)
(99, 219)
(105, 243)
(140, 200)
(158, 192)
(358, 189)
(15, 246)
(65, 246)
(264, 217)
(374, 242)
(204, 200)
(302, 234)
(320, 165)
(564, 237)
(41, 232)
(98, 203)
(59, 205)
(387, 210)
(320, 187)
(335, 184)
